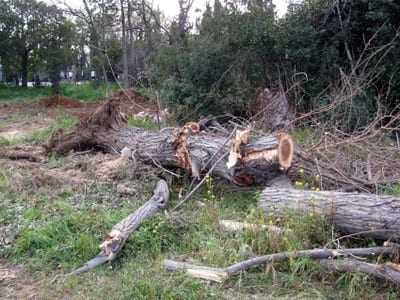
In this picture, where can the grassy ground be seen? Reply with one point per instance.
(85, 92)
(50, 226)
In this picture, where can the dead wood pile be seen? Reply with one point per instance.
(239, 157)
(244, 157)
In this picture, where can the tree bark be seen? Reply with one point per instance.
(384, 271)
(24, 68)
(259, 159)
(124, 47)
(378, 216)
(222, 274)
(117, 237)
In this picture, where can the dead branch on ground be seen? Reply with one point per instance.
(117, 237)
(222, 274)
(389, 271)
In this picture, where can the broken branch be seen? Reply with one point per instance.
(117, 237)
(221, 274)
(383, 271)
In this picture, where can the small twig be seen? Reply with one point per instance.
(220, 148)
(200, 183)
(357, 234)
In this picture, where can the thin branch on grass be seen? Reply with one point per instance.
(222, 274)
(119, 234)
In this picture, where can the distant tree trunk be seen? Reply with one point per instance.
(24, 67)
(147, 30)
(55, 82)
(37, 80)
(124, 47)
(130, 54)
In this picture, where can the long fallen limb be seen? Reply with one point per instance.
(116, 239)
(383, 271)
(221, 274)
(376, 215)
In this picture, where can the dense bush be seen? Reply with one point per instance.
(239, 48)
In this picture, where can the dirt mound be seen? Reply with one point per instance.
(60, 101)
(132, 102)
(129, 95)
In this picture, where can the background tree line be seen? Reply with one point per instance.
(218, 63)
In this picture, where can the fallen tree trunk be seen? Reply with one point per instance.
(252, 160)
(377, 216)
(117, 237)
(383, 271)
(222, 274)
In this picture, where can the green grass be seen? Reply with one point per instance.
(85, 92)
(62, 121)
(140, 122)
(19, 94)
(56, 234)
(392, 189)
(57, 237)
(65, 237)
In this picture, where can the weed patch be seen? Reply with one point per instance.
(62, 121)
(142, 122)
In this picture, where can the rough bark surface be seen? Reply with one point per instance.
(221, 274)
(261, 159)
(273, 110)
(378, 215)
(117, 237)
(384, 271)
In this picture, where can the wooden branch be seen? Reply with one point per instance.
(376, 215)
(221, 274)
(234, 226)
(383, 271)
(117, 237)
(207, 273)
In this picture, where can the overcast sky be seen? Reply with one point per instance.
(170, 7)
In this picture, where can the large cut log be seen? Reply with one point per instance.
(378, 216)
(222, 274)
(251, 160)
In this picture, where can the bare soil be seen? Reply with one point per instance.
(15, 284)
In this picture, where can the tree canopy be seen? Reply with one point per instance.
(217, 64)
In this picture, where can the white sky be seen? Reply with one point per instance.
(170, 7)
